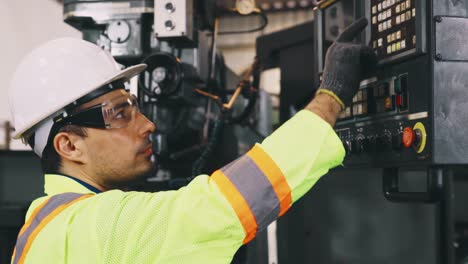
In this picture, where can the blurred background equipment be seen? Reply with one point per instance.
(291, 50)
(178, 41)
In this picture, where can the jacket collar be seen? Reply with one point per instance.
(57, 183)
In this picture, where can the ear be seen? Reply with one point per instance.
(71, 147)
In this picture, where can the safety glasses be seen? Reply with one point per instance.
(114, 113)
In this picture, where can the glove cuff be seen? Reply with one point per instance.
(332, 94)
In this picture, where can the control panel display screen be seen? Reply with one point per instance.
(393, 27)
(386, 96)
(336, 18)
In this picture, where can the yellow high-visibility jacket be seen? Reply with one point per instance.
(204, 222)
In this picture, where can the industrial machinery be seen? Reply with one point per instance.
(186, 87)
(390, 114)
(412, 111)
(286, 49)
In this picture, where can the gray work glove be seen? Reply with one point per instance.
(346, 63)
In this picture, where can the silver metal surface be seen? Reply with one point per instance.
(104, 10)
(175, 20)
(414, 116)
(118, 31)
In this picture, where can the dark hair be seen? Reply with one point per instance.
(51, 161)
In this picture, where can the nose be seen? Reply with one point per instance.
(146, 127)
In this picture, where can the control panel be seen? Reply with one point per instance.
(378, 127)
(396, 28)
(388, 122)
(412, 109)
(379, 99)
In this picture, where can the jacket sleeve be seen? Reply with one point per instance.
(263, 184)
(213, 216)
(305, 148)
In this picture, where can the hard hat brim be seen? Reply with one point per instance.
(125, 74)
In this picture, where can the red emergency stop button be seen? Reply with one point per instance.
(399, 100)
(408, 137)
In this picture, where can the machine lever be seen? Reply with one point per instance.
(391, 188)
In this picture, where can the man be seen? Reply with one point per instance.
(67, 100)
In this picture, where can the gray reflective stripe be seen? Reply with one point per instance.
(255, 188)
(53, 203)
(229, 165)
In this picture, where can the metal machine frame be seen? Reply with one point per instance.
(435, 74)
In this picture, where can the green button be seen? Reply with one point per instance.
(397, 84)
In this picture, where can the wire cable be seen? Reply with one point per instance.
(260, 13)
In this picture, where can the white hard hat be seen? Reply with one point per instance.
(55, 75)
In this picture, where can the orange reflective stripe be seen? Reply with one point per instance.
(239, 204)
(14, 253)
(44, 222)
(274, 175)
(28, 223)
(33, 215)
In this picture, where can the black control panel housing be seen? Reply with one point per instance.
(414, 109)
